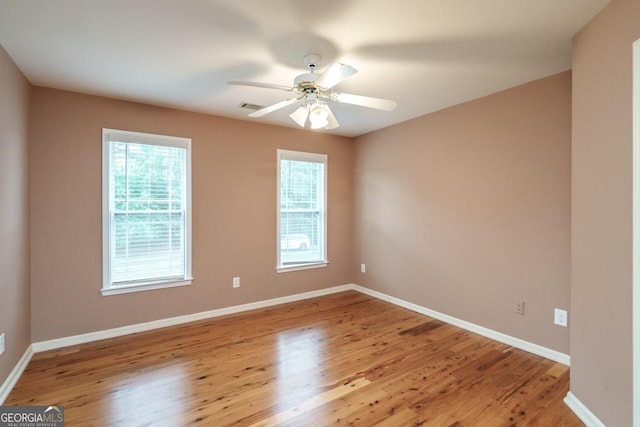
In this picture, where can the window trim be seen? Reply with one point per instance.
(109, 135)
(304, 157)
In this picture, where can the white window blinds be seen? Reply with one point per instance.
(147, 225)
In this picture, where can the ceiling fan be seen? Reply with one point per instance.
(312, 89)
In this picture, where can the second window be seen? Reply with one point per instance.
(302, 206)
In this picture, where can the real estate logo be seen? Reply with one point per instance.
(31, 416)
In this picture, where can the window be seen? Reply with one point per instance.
(146, 213)
(302, 207)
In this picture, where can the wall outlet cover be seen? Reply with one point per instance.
(560, 317)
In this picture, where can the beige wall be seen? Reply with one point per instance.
(601, 265)
(15, 315)
(234, 213)
(465, 211)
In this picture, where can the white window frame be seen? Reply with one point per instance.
(109, 135)
(305, 157)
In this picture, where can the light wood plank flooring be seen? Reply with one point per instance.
(343, 359)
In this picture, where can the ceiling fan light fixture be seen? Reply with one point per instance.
(333, 122)
(319, 115)
(300, 115)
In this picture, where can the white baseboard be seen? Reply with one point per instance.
(172, 321)
(472, 327)
(15, 374)
(156, 324)
(585, 415)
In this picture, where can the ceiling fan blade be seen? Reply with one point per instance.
(332, 121)
(334, 75)
(273, 107)
(364, 101)
(300, 115)
(263, 85)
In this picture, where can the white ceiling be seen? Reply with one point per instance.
(425, 54)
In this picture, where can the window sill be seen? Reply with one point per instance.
(298, 267)
(116, 290)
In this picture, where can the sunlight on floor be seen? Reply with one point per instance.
(151, 395)
(300, 359)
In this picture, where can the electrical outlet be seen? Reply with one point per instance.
(363, 268)
(1, 343)
(520, 307)
(560, 317)
(236, 282)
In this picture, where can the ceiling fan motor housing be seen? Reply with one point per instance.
(305, 83)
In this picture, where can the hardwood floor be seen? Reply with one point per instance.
(343, 359)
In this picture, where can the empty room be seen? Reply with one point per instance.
(297, 213)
